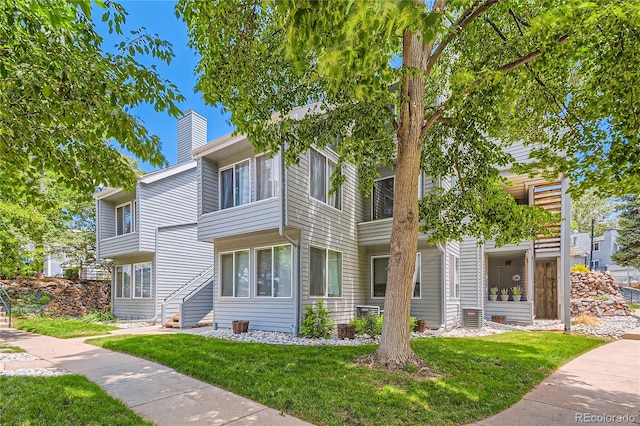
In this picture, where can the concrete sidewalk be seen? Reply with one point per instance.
(155, 392)
(600, 387)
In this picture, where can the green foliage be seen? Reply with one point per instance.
(579, 267)
(493, 290)
(628, 253)
(476, 377)
(72, 273)
(65, 103)
(371, 324)
(516, 291)
(504, 292)
(63, 400)
(316, 322)
(98, 316)
(602, 297)
(591, 206)
(63, 328)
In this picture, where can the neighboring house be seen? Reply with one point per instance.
(151, 236)
(603, 247)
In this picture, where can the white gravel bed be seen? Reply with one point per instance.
(19, 356)
(610, 327)
(35, 372)
(132, 324)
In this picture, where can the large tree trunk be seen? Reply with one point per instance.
(395, 349)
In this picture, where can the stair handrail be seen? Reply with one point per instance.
(179, 290)
(4, 303)
(197, 289)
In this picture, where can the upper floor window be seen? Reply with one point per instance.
(379, 268)
(596, 246)
(273, 271)
(320, 171)
(234, 274)
(124, 218)
(383, 198)
(235, 185)
(325, 272)
(267, 177)
(454, 277)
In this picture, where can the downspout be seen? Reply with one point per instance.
(295, 291)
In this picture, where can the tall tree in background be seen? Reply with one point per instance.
(628, 253)
(590, 206)
(65, 102)
(439, 86)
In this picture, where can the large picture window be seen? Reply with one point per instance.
(325, 272)
(454, 277)
(383, 198)
(267, 176)
(123, 281)
(142, 280)
(273, 271)
(124, 218)
(379, 268)
(320, 170)
(234, 274)
(235, 185)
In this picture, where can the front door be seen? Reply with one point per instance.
(546, 290)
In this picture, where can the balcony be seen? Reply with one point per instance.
(120, 245)
(253, 217)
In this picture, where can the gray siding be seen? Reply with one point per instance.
(207, 186)
(197, 307)
(519, 312)
(179, 258)
(164, 202)
(192, 133)
(471, 274)
(520, 152)
(253, 217)
(135, 308)
(326, 227)
(122, 245)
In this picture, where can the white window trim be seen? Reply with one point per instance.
(233, 287)
(386, 256)
(232, 166)
(133, 280)
(596, 246)
(373, 204)
(452, 277)
(275, 188)
(327, 182)
(117, 279)
(132, 207)
(256, 249)
(326, 269)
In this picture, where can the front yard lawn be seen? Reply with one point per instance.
(62, 400)
(477, 377)
(63, 328)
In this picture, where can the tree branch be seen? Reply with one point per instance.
(528, 57)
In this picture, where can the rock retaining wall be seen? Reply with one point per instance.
(57, 296)
(596, 293)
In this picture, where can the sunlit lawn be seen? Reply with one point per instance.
(476, 377)
(63, 328)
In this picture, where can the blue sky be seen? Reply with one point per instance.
(158, 17)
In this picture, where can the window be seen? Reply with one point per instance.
(596, 246)
(454, 277)
(383, 198)
(379, 267)
(320, 171)
(142, 280)
(267, 176)
(235, 185)
(234, 274)
(124, 218)
(123, 281)
(325, 272)
(273, 272)
(595, 264)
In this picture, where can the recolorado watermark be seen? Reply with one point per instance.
(605, 418)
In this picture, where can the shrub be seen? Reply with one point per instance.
(98, 316)
(586, 320)
(371, 324)
(579, 267)
(316, 322)
(72, 273)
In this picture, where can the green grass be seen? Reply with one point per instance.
(5, 348)
(477, 377)
(63, 328)
(633, 306)
(62, 400)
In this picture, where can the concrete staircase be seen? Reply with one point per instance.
(174, 322)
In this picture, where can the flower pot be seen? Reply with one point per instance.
(516, 297)
(493, 297)
(240, 326)
(420, 326)
(504, 297)
(501, 319)
(346, 331)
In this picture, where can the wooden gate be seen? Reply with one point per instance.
(546, 290)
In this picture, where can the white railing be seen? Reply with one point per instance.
(187, 291)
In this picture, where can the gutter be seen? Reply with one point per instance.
(295, 290)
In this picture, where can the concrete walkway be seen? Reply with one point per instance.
(600, 387)
(155, 392)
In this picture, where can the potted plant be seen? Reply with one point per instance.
(517, 293)
(493, 294)
(504, 294)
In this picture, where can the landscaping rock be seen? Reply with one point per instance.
(597, 293)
